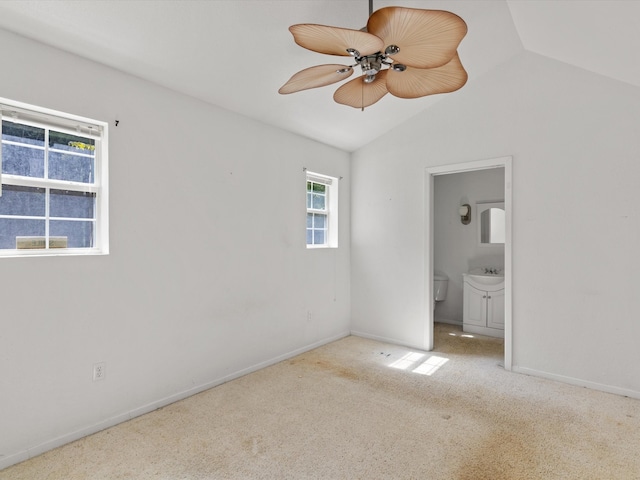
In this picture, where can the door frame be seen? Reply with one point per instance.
(430, 173)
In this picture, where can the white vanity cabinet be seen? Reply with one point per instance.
(483, 310)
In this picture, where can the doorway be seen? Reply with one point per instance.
(431, 173)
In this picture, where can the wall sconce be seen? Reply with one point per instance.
(465, 214)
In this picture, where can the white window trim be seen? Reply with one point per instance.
(11, 110)
(331, 211)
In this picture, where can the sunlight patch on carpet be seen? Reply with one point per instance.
(431, 365)
(463, 335)
(415, 362)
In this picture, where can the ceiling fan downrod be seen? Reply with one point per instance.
(372, 64)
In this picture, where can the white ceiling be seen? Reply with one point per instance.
(237, 53)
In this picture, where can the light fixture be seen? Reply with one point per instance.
(465, 214)
(407, 52)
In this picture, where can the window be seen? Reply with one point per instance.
(322, 211)
(54, 183)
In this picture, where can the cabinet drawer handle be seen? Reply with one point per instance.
(489, 296)
(484, 296)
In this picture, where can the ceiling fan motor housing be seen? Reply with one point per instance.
(371, 64)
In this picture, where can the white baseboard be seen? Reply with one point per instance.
(448, 321)
(393, 341)
(8, 460)
(578, 382)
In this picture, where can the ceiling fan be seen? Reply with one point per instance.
(406, 52)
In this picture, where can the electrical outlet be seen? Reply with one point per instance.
(99, 371)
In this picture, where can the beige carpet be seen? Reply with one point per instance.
(360, 409)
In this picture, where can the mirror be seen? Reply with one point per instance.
(491, 227)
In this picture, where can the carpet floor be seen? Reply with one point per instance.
(361, 409)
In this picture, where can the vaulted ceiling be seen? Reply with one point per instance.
(237, 53)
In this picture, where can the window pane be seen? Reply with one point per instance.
(25, 161)
(78, 234)
(25, 201)
(11, 228)
(318, 215)
(71, 143)
(70, 167)
(17, 132)
(70, 204)
(318, 201)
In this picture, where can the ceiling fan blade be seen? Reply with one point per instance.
(419, 82)
(358, 94)
(334, 40)
(427, 38)
(318, 76)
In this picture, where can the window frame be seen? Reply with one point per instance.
(330, 210)
(18, 112)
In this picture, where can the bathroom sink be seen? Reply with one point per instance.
(483, 277)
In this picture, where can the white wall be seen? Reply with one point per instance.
(208, 275)
(574, 140)
(456, 248)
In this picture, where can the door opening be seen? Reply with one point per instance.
(431, 173)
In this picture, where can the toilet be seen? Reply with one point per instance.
(440, 285)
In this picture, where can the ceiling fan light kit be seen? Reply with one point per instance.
(407, 52)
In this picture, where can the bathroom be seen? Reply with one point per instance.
(458, 249)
